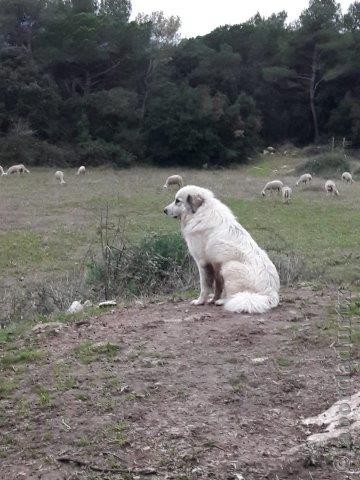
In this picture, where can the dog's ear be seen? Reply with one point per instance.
(193, 202)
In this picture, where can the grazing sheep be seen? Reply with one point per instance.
(286, 194)
(330, 188)
(59, 175)
(81, 170)
(271, 149)
(347, 177)
(174, 180)
(305, 178)
(2, 171)
(265, 152)
(17, 169)
(272, 186)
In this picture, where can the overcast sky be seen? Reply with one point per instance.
(201, 16)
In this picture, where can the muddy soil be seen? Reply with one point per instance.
(171, 391)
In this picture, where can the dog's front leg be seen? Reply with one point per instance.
(206, 273)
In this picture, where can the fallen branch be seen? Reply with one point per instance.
(95, 468)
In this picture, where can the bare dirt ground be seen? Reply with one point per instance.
(177, 394)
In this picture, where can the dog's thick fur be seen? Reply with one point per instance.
(230, 262)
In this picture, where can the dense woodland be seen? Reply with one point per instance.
(79, 81)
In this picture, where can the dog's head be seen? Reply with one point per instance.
(187, 201)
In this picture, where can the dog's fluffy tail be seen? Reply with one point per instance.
(251, 302)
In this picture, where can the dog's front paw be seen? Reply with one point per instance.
(210, 298)
(219, 302)
(198, 301)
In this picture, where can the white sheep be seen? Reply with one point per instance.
(330, 188)
(274, 185)
(271, 149)
(17, 169)
(286, 194)
(2, 172)
(59, 175)
(81, 170)
(305, 178)
(174, 180)
(347, 177)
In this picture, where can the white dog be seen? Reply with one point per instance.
(230, 262)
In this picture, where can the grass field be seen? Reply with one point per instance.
(47, 229)
(164, 389)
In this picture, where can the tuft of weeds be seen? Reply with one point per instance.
(64, 379)
(23, 355)
(283, 362)
(6, 387)
(157, 263)
(82, 441)
(119, 433)
(326, 163)
(44, 397)
(238, 382)
(23, 407)
(106, 404)
(88, 352)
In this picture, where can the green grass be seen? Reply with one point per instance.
(283, 362)
(21, 356)
(44, 397)
(7, 386)
(320, 233)
(64, 380)
(88, 352)
(119, 432)
(238, 382)
(46, 231)
(21, 249)
(263, 168)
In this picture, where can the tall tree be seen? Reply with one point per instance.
(319, 29)
(120, 9)
(164, 35)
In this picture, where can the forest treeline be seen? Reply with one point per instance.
(79, 81)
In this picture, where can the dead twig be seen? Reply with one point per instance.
(95, 468)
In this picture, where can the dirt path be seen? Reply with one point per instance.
(184, 392)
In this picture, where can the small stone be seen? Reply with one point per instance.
(259, 360)
(107, 303)
(75, 307)
(51, 327)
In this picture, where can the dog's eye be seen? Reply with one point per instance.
(177, 201)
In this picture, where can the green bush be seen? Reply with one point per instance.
(30, 151)
(314, 150)
(159, 263)
(326, 163)
(99, 152)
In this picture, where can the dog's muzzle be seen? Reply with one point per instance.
(166, 211)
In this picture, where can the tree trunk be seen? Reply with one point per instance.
(312, 88)
(147, 83)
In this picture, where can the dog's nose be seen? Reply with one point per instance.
(165, 211)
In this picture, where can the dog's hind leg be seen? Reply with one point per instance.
(206, 273)
(218, 284)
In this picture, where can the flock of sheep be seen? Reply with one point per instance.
(272, 186)
(278, 186)
(286, 192)
(59, 175)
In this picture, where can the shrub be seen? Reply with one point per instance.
(314, 150)
(291, 268)
(158, 263)
(98, 152)
(326, 163)
(25, 148)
